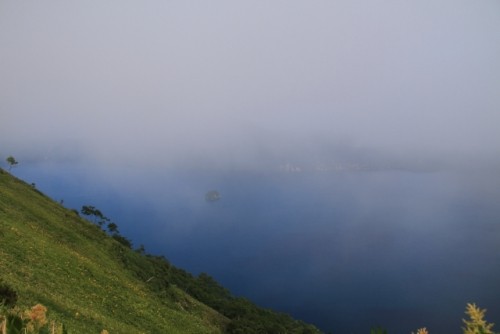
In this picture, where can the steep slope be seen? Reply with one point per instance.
(90, 281)
(52, 256)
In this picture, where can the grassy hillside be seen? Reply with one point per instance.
(91, 282)
(52, 256)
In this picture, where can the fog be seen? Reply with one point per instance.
(235, 83)
(344, 250)
(357, 141)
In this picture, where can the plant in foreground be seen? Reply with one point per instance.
(33, 321)
(477, 324)
(378, 330)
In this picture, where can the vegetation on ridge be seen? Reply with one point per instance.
(91, 281)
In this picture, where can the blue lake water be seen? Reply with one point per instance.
(345, 251)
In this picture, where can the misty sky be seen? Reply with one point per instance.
(170, 82)
(131, 90)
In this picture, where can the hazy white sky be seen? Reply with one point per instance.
(235, 81)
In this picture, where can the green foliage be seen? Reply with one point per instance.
(166, 281)
(11, 161)
(377, 330)
(112, 228)
(52, 256)
(90, 280)
(91, 211)
(122, 240)
(245, 316)
(14, 324)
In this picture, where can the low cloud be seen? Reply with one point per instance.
(235, 84)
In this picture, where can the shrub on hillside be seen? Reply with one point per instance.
(122, 240)
(8, 296)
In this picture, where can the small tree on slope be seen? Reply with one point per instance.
(11, 161)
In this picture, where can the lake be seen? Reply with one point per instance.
(343, 250)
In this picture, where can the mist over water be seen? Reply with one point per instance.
(354, 144)
(343, 250)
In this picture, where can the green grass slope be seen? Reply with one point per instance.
(49, 255)
(90, 281)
